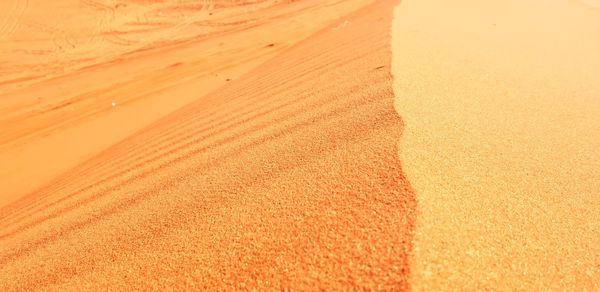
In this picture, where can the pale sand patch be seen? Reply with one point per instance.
(501, 103)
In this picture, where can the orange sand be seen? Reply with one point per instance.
(285, 176)
(57, 89)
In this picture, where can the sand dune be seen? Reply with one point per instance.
(287, 176)
(233, 145)
(46, 120)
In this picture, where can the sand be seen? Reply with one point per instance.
(64, 63)
(501, 103)
(331, 145)
(285, 176)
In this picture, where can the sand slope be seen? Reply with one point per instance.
(61, 68)
(286, 177)
(502, 142)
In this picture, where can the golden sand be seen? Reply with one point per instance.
(501, 103)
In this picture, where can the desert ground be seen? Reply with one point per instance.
(305, 145)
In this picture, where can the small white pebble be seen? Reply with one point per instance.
(114, 104)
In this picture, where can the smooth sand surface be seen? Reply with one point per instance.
(285, 176)
(501, 104)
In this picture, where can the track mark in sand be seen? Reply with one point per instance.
(108, 16)
(14, 13)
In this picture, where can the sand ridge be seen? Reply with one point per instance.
(285, 177)
(202, 145)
